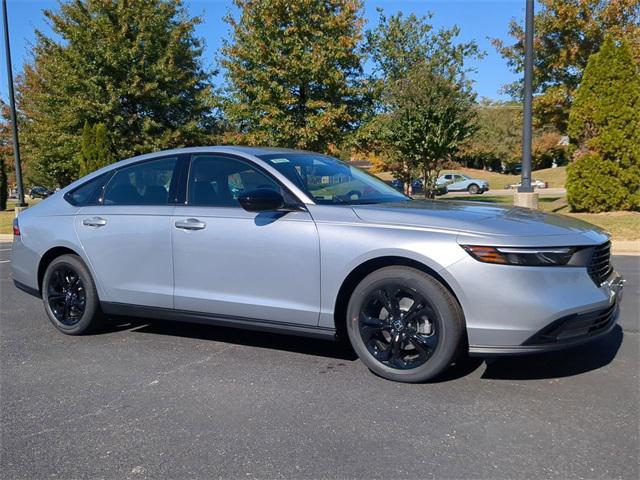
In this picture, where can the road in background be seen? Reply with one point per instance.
(508, 191)
(166, 400)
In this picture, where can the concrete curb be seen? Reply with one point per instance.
(625, 247)
(6, 237)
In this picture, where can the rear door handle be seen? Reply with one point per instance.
(190, 224)
(94, 222)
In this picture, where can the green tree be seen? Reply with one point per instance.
(428, 118)
(293, 72)
(94, 148)
(133, 66)
(423, 103)
(498, 138)
(398, 43)
(567, 32)
(604, 130)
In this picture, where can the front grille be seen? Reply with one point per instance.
(600, 264)
(575, 327)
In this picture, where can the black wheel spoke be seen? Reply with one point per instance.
(394, 347)
(371, 330)
(416, 309)
(392, 295)
(422, 342)
(66, 310)
(388, 298)
(372, 322)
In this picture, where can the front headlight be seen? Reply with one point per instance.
(530, 257)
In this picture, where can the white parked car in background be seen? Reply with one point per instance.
(535, 183)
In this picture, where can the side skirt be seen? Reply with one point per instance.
(123, 309)
(27, 289)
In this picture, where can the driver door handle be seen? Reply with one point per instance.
(94, 222)
(190, 224)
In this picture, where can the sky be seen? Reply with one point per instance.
(478, 20)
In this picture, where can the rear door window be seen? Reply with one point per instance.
(146, 183)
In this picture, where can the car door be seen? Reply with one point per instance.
(127, 234)
(233, 263)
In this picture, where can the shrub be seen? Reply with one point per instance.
(604, 130)
(594, 185)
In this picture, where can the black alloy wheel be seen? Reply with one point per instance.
(398, 326)
(66, 295)
(70, 297)
(404, 324)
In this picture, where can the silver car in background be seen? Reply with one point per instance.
(457, 182)
(301, 243)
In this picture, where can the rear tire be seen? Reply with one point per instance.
(404, 324)
(70, 297)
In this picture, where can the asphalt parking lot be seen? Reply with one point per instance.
(162, 400)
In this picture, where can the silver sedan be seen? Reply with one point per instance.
(301, 243)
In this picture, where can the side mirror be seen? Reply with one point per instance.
(261, 200)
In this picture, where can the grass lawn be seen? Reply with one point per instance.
(6, 220)
(621, 225)
(555, 177)
(7, 216)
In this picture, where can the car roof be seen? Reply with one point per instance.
(235, 148)
(242, 150)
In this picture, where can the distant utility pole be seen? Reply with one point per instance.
(12, 105)
(525, 184)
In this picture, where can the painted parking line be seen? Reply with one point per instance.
(5, 261)
(5, 249)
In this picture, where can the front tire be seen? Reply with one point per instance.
(70, 297)
(404, 324)
(473, 189)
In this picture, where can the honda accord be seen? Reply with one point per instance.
(301, 243)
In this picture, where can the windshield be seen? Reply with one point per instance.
(329, 181)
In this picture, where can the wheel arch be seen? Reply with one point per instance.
(361, 271)
(48, 257)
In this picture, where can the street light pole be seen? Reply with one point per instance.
(12, 105)
(525, 184)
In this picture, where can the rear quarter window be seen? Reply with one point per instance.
(87, 193)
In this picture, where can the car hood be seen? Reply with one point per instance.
(483, 220)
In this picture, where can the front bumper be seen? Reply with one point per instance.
(511, 310)
(566, 332)
(570, 330)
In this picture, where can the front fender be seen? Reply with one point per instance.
(345, 247)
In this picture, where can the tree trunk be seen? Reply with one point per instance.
(427, 191)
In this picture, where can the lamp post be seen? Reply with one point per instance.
(525, 196)
(12, 107)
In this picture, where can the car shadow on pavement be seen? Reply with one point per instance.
(308, 346)
(577, 360)
(574, 361)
